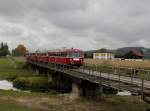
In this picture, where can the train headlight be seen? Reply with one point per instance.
(76, 59)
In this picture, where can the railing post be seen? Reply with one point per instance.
(63, 68)
(101, 83)
(55, 66)
(108, 79)
(119, 79)
(100, 78)
(83, 69)
(100, 74)
(142, 89)
(132, 76)
(93, 69)
(115, 71)
(148, 75)
(89, 70)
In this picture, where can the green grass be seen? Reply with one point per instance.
(9, 100)
(7, 105)
(6, 63)
(118, 103)
(17, 94)
(10, 70)
(32, 83)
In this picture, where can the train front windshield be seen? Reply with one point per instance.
(75, 54)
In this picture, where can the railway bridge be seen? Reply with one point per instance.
(90, 82)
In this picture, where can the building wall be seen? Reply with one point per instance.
(104, 56)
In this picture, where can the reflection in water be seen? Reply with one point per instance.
(6, 85)
(124, 93)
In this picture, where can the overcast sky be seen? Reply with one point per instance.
(84, 24)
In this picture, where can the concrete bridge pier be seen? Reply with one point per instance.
(31, 67)
(37, 70)
(61, 82)
(43, 71)
(101, 92)
(89, 89)
(50, 78)
(34, 68)
(76, 92)
(86, 89)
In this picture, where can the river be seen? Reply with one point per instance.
(7, 85)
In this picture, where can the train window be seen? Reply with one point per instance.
(74, 54)
(51, 54)
(63, 54)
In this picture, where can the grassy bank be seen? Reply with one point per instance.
(22, 78)
(22, 101)
(9, 69)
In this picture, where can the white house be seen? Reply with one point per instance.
(103, 55)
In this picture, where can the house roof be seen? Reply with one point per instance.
(103, 51)
(136, 52)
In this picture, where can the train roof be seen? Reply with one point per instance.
(57, 51)
(65, 50)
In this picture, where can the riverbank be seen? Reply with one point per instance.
(15, 71)
(23, 101)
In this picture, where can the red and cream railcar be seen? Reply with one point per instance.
(66, 56)
(31, 56)
(63, 56)
(42, 57)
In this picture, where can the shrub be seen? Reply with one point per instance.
(32, 83)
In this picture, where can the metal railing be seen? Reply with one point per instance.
(112, 77)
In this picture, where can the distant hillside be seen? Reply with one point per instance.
(124, 50)
(121, 51)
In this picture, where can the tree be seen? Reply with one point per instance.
(19, 51)
(4, 50)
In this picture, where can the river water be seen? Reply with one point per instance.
(124, 93)
(7, 85)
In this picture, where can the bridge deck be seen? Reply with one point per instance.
(132, 84)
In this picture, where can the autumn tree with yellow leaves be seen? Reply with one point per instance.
(19, 51)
